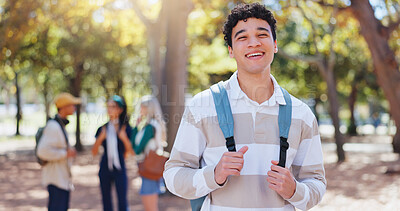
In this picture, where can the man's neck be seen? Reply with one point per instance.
(62, 115)
(258, 87)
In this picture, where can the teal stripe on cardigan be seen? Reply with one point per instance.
(148, 134)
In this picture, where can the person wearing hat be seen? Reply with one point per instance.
(54, 148)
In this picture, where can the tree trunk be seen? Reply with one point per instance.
(396, 139)
(103, 83)
(76, 84)
(154, 44)
(386, 68)
(46, 98)
(120, 84)
(173, 90)
(334, 113)
(352, 129)
(19, 110)
(317, 101)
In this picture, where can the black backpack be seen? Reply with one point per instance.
(38, 136)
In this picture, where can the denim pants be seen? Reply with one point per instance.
(58, 198)
(119, 178)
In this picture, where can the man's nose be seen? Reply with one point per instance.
(253, 42)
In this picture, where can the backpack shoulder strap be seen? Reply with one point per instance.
(225, 121)
(62, 128)
(284, 121)
(224, 113)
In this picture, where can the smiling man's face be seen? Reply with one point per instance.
(253, 46)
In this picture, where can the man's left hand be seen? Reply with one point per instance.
(281, 180)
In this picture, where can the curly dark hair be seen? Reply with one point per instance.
(244, 12)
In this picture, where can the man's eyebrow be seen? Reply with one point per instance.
(237, 33)
(263, 29)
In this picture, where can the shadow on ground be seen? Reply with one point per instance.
(21, 189)
(360, 183)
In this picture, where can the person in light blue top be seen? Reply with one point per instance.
(149, 135)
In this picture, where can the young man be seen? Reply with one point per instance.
(250, 178)
(54, 148)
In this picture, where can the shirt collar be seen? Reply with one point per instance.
(237, 93)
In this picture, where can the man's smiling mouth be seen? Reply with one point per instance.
(254, 54)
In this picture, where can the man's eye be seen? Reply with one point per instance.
(263, 35)
(242, 38)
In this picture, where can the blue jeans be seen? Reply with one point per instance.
(58, 198)
(120, 180)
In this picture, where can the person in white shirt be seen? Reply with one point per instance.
(249, 179)
(54, 148)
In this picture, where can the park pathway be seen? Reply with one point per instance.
(360, 183)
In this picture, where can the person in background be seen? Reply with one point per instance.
(114, 137)
(54, 148)
(150, 136)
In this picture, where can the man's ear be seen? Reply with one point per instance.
(230, 49)
(276, 47)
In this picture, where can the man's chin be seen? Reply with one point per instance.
(254, 70)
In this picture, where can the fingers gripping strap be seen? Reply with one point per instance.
(284, 121)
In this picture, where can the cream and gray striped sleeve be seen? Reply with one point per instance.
(182, 174)
(308, 167)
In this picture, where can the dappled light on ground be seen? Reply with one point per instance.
(360, 183)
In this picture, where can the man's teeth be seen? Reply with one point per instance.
(254, 54)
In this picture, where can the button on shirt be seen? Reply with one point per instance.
(199, 145)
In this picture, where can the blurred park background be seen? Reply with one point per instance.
(341, 57)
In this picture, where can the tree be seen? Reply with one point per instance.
(385, 65)
(325, 61)
(173, 99)
(377, 36)
(169, 80)
(156, 32)
(17, 18)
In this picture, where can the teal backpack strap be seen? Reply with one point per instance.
(225, 121)
(224, 113)
(284, 121)
(196, 204)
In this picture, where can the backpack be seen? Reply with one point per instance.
(225, 121)
(38, 136)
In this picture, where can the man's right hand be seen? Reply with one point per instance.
(231, 163)
(71, 152)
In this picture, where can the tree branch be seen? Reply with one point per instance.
(317, 60)
(4, 85)
(394, 25)
(308, 59)
(332, 55)
(312, 27)
(139, 13)
(324, 4)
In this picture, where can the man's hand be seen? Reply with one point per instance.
(71, 152)
(231, 163)
(281, 180)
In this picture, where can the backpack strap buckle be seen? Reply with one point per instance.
(230, 144)
(284, 146)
